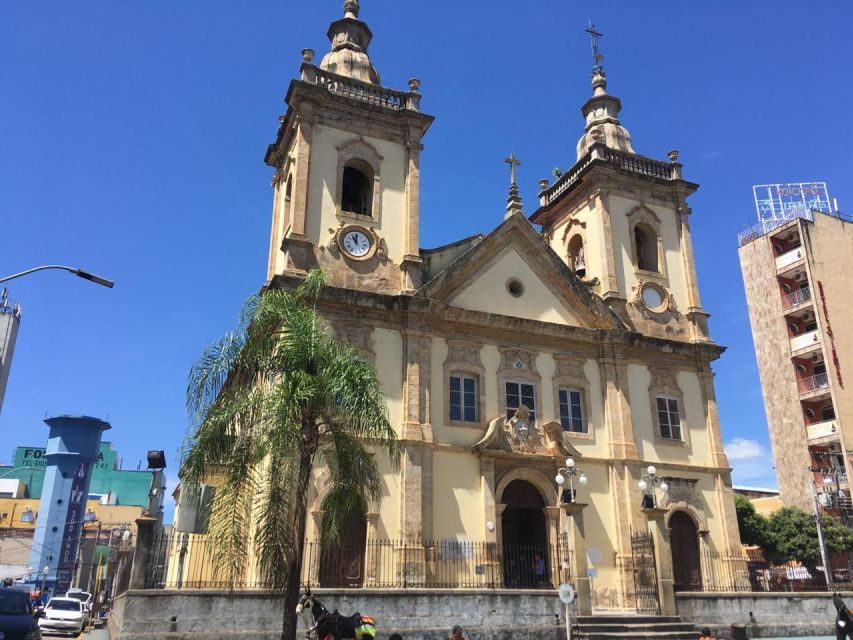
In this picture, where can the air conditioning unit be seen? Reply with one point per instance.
(799, 276)
(815, 357)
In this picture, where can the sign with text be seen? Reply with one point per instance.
(73, 526)
(35, 457)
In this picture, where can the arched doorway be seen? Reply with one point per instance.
(524, 537)
(684, 543)
(342, 565)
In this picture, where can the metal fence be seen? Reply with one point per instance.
(187, 561)
(721, 572)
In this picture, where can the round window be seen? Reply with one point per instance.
(515, 287)
(654, 297)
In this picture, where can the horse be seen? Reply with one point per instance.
(328, 625)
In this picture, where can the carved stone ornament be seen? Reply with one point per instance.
(465, 352)
(358, 335)
(517, 359)
(569, 367)
(571, 224)
(664, 379)
(503, 435)
(683, 490)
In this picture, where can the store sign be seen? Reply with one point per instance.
(73, 525)
(37, 457)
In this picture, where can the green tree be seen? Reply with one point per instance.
(792, 535)
(839, 538)
(266, 402)
(752, 525)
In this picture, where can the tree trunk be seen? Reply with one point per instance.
(310, 438)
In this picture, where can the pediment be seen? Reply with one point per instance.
(514, 272)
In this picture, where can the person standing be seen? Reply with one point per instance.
(456, 633)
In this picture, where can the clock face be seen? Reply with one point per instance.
(356, 244)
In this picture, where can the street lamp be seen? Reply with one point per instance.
(648, 483)
(571, 472)
(91, 277)
(44, 573)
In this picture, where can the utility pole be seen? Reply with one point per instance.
(820, 539)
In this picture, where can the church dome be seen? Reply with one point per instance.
(350, 39)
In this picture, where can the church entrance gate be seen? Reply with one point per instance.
(686, 563)
(525, 549)
(342, 565)
(645, 574)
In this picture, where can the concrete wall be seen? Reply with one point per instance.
(416, 614)
(766, 614)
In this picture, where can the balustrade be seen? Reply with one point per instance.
(361, 91)
(797, 297)
(813, 383)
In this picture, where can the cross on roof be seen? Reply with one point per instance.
(513, 162)
(594, 35)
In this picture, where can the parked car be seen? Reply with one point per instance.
(83, 596)
(64, 615)
(16, 615)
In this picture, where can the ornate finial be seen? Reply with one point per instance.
(4, 298)
(598, 59)
(513, 203)
(308, 55)
(351, 9)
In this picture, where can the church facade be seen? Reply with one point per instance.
(576, 332)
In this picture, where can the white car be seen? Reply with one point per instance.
(64, 615)
(83, 596)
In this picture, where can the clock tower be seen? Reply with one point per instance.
(346, 160)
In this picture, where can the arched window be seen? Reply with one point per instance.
(288, 191)
(577, 260)
(357, 189)
(646, 247)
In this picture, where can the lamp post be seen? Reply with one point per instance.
(80, 273)
(571, 472)
(577, 559)
(44, 573)
(648, 485)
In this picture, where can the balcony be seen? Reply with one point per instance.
(791, 257)
(826, 429)
(805, 341)
(813, 383)
(796, 298)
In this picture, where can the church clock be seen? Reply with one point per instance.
(356, 242)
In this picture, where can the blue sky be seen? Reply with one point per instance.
(132, 138)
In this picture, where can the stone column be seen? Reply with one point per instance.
(373, 553)
(609, 284)
(663, 560)
(299, 196)
(412, 260)
(579, 567)
(499, 535)
(552, 527)
(145, 534)
(487, 468)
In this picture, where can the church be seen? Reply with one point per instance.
(549, 381)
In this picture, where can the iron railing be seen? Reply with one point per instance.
(813, 383)
(736, 573)
(797, 297)
(188, 561)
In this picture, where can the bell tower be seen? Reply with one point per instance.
(347, 170)
(621, 221)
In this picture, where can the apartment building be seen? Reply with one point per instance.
(800, 295)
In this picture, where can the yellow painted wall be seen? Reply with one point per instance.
(323, 183)
(488, 292)
(457, 509)
(675, 280)
(107, 515)
(388, 347)
(697, 446)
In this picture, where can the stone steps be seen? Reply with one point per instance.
(629, 627)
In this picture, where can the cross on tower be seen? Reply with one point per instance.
(513, 162)
(594, 35)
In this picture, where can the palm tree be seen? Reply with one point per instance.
(267, 402)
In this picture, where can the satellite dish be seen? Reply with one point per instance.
(566, 593)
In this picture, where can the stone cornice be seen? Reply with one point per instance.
(408, 310)
(360, 116)
(598, 172)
